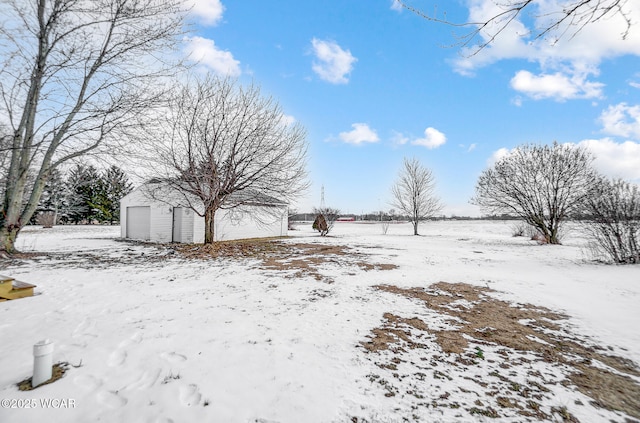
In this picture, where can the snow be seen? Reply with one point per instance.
(152, 337)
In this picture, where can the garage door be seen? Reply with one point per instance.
(139, 222)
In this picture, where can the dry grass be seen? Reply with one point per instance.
(479, 320)
(297, 259)
(59, 369)
(16, 259)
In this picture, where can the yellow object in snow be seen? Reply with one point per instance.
(11, 289)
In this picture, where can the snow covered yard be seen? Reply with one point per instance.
(152, 335)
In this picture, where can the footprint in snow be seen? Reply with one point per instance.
(173, 357)
(136, 338)
(190, 395)
(117, 357)
(111, 399)
(85, 328)
(146, 380)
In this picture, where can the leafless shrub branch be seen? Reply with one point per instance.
(613, 221)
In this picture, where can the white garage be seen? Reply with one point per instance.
(145, 217)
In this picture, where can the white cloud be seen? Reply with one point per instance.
(432, 139)
(288, 120)
(396, 5)
(204, 51)
(361, 133)
(399, 139)
(621, 120)
(333, 64)
(498, 155)
(618, 160)
(209, 11)
(557, 86)
(591, 44)
(565, 56)
(510, 43)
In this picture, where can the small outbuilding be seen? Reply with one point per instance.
(146, 217)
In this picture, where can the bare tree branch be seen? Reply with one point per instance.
(571, 17)
(80, 72)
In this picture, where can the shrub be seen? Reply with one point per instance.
(525, 230)
(47, 219)
(612, 220)
(326, 217)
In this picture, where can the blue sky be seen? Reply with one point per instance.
(373, 83)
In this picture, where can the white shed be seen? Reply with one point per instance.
(144, 217)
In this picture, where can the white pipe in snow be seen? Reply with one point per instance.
(42, 362)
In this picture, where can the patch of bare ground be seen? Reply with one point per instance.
(16, 259)
(150, 254)
(57, 372)
(297, 259)
(516, 340)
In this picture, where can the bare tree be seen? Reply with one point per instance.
(72, 76)
(569, 17)
(413, 193)
(225, 146)
(612, 220)
(542, 184)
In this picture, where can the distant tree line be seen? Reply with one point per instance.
(84, 195)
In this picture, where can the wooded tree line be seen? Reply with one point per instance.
(83, 195)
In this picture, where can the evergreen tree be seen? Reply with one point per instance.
(53, 197)
(96, 197)
(117, 185)
(99, 202)
(82, 185)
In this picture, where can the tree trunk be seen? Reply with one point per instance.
(552, 235)
(8, 236)
(209, 222)
(553, 238)
(415, 227)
